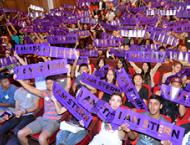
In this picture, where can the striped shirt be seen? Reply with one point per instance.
(49, 107)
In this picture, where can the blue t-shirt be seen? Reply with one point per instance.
(7, 96)
(147, 140)
(16, 39)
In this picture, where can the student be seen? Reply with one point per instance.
(49, 122)
(176, 67)
(110, 78)
(107, 136)
(154, 106)
(146, 71)
(26, 104)
(7, 91)
(83, 68)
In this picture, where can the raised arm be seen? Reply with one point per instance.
(22, 61)
(136, 68)
(30, 88)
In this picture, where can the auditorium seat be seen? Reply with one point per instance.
(157, 78)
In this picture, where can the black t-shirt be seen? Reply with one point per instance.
(143, 93)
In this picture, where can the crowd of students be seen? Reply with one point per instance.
(20, 100)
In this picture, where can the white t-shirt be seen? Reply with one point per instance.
(106, 137)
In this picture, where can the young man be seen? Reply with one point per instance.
(176, 67)
(107, 136)
(7, 91)
(49, 122)
(83, 68)
(154, 107)
(26, 104)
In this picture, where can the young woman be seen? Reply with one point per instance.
(110, 78)
(146, 72)
(98, 68)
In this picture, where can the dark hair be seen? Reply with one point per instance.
(156, 97)
(146, 76)
(125, 65)
(4, 76)
(137, 74)
(116, 94)
(98, 61)
(114, 73)
(176, 63)
(52, 78)
(83, 64)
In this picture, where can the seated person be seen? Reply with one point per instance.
(7, 91)
(48, 124)
(26, 104)
(83, 68)
(176, 67)
(142, 91)
(108, 136)
(154, 106)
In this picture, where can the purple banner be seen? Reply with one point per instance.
(133, 33)
(101, 73)
(138, 122)
(83, 60)
(89, 53)
(99, 84)
(69, 39)
(176, 95)
(41, 69)
(176, 55)
(146, 56)
(107, 42)
(58, 52)
(164, 38)
(129, 89)
(7, 61)
(70, 103)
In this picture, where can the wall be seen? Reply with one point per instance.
(23, 4)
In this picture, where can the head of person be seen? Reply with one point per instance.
(176, 82)
(111, 76)
(49, 82)
(100, 63)
(155, 104)
(183, 48)
(137, 80)
(176, 67)
(115, 101)
(146, 67)
(83, 68)
(122, 64)
(5, 82)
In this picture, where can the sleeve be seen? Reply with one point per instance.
(16, 95)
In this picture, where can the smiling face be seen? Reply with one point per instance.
(154, 106)
(115, 101)
(145, 67)
(138, 81)
(119, 64)
(49, 84)
(110, 76)
(177, 68)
